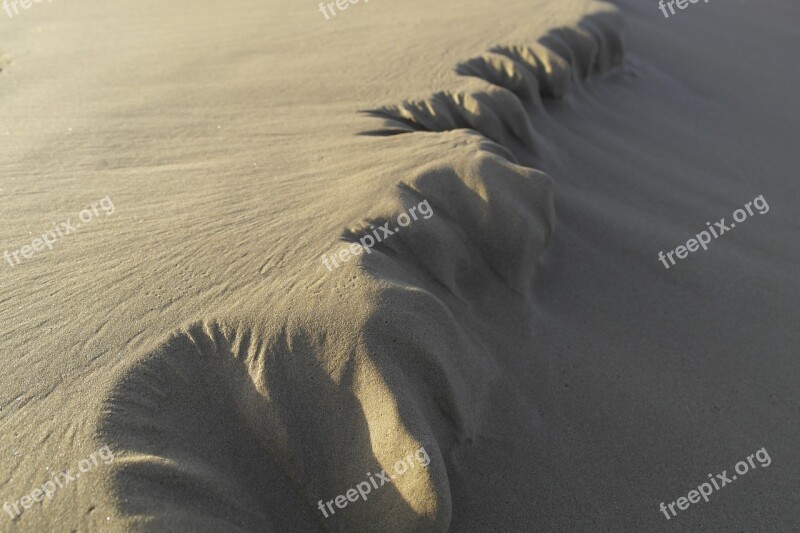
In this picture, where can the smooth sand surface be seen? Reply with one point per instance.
(525, 335)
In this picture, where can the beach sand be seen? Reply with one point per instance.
(525, 335)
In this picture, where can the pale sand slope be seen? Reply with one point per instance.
(526, 335)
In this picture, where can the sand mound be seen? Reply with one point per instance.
(231, 421)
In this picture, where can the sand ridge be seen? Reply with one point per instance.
(557, 375)
(400, 360)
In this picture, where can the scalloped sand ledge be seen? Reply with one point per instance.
(525, 335)
(398, 353)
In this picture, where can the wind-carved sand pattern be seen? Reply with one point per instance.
(244, 423)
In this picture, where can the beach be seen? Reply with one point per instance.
(371, 266)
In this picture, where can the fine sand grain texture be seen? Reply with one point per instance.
(513, 169)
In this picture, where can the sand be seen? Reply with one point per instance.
(525, 335)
